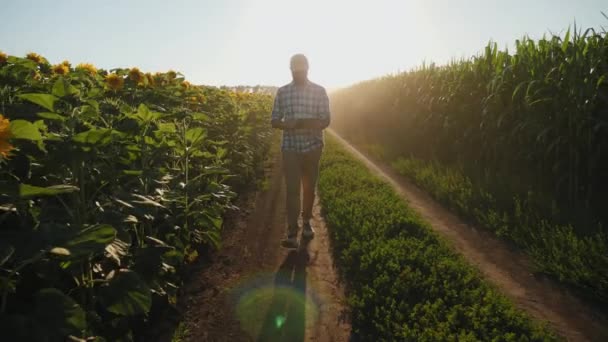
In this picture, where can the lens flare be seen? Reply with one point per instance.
(279, 321)
(276, 306)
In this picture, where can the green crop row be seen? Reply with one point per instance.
(109, 182)
(404, 283)
(555, 249)
(526, 128)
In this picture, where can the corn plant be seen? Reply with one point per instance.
(526, 126)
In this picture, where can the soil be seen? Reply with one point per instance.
(506, 267)
(254, 290)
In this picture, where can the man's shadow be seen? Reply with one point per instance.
(286, 317)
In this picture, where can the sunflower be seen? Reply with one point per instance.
(150, 77)
(5, 134)
(87, 67)
(136, 76)
(3, 58)
(35, 57)
(61, 69)
(37, 75)
(159, 78)
(67, 64)
(115, 82)
(171, 74)
(186, 84)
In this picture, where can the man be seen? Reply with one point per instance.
(301, 110)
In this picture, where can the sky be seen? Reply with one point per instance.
(249, 42)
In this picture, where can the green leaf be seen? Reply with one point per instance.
(132, 172)
(167, 127)
(212, 237)
(194, 135)
(28, 191)
(94, 104)
(62, 88)
(601, 81)
(566, 41)
(201, 117)
(150, 141)
(126, 295)
(57, 315)
(221, 152)
(92, 239)
(145, 114)
(44, 100)
(213, 221)
(102, 136)
(22, 129)
(51, 116)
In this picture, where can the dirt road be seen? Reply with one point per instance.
(253, 290)
(508, 269)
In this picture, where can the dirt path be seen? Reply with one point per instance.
(508, 269)
(253, 290)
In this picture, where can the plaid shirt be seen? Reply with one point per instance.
(308, 102)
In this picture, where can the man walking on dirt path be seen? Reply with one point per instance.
(301, 110)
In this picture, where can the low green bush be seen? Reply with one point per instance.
(405, 283)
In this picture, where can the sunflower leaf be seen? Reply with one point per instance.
(44, 100)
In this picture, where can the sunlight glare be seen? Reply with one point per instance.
(341, 38)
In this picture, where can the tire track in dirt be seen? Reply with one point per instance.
(508, 269)
(253, 290)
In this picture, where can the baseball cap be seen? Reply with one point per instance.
(299, 62)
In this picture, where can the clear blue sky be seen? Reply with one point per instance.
(250, 41)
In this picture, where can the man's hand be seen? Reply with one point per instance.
(284, 124)
(289, 123)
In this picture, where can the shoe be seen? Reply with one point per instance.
(290, 243)
(308, 232)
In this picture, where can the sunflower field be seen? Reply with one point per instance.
(109, 182)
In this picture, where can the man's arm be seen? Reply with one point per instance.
(278, 118)
(324, 115)
(277, 113)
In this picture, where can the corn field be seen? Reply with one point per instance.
(528, 128)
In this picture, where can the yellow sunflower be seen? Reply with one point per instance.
(151, 81)
(3, 58)
(135, 75)
(5, 134)
(171, 74)
(159, 78)
(67, 64)
(61, 69)
(186, 84)
(115, 82)
(87, 67)
(37, 76)
(35, 57)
